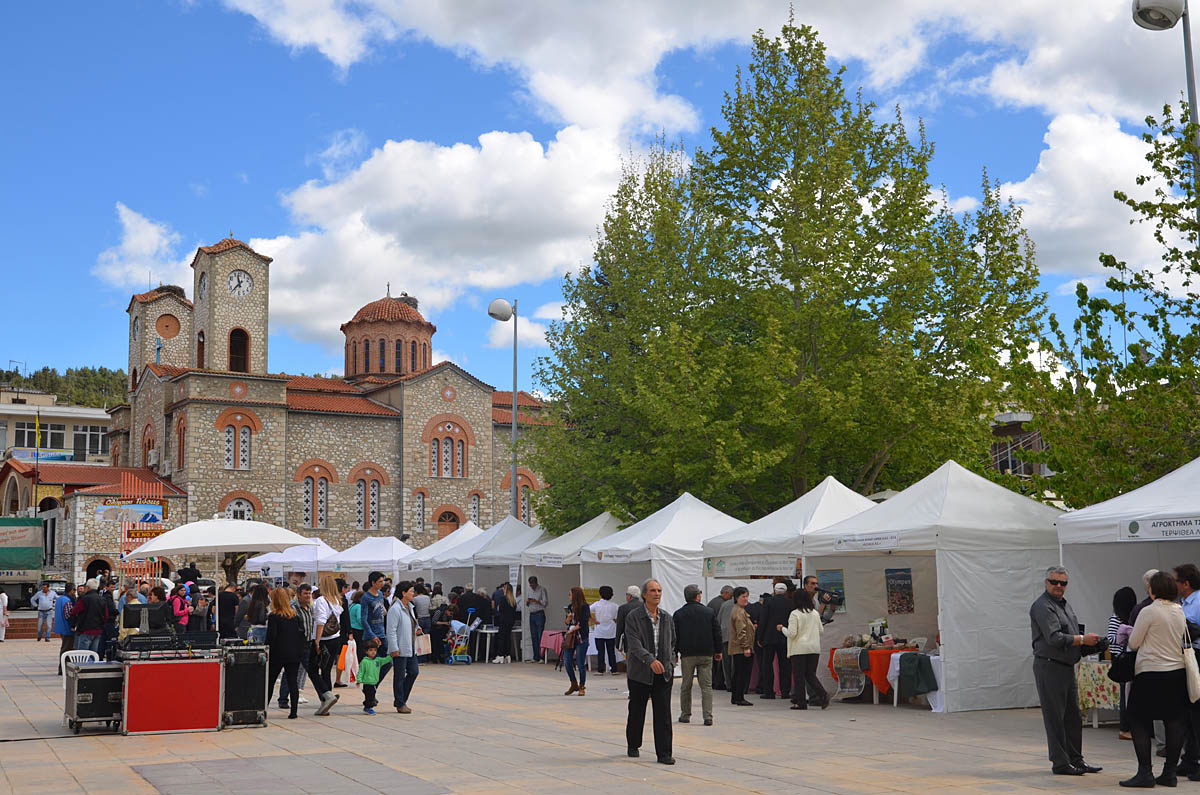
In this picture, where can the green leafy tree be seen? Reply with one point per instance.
(1117, 399)
(81, 386)
(793, 305)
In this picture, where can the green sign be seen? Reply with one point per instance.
(20, 543)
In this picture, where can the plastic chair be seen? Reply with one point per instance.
(75, 656)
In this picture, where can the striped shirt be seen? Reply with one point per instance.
(1114, 624)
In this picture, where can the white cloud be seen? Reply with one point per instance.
(550, 311)
(530, 334)
(342, 154)
(1094, 284)
(145, 256)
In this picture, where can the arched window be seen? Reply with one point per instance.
(360, 504)
(322, 501)
(239, 351)
(180, 442)
(448, 450)
(239, 509)
(237, 447)
(200, 350)
(475, 508)
(244, 448)
(382, 356)
(366, 356)
(420, 512)
(525, 504)
(412, 357)
(230, 447)
(149, 441)
(458, 459)
(399, 356)
(354, 357)
(447, 457)
(133, 379)
(433, 457)
(373, 505)
(425, 354)
(308, 502)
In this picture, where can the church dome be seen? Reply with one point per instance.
(390, 309)
(388, 336)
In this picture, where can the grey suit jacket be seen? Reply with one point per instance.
(639, 645)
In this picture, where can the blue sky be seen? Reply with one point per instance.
(344, 139)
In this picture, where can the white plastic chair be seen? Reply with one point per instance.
(75, 656)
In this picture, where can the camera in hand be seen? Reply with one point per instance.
(835, 598)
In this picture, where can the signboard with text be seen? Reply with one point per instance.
(751, 565)
(865, 542)
(1182, 528)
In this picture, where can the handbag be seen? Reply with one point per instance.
(570, 639)
(423, 646)
(333, 624)
(1121, 670)
(1192, 669)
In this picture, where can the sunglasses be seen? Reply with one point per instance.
(1063, 583)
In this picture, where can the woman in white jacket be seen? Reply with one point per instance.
(803, 633)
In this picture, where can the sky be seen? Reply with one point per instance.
(463, 151)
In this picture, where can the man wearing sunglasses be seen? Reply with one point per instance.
(1058, 644)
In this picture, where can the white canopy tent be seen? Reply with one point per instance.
(503, 541)
(555, 562)
(974, 554)
(1112, 543)
(217, 536)
(373, 553)
(666, 545)
(310, 557)
(419, 561)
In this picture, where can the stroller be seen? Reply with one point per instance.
(458, 644)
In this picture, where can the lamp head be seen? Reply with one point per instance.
(500, 309)
(1158, 14)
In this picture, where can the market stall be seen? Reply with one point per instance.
(373, 553)
(1111, 544)
(666, 545)
(953, 554)
(418, 564)
(499, 560)
(305, 560)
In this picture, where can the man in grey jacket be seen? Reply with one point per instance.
(650, 666)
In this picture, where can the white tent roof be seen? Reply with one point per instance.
(220, 535)
(503, 540)
(676, 531)
(301, 556)
(1174, 497)
(779, 533)
(373, 552)
(950, 508)
(421, 558)
(563, 550)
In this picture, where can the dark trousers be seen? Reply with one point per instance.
(1059, 698)
(718, 675)
(437, 642)
(290, 669)
(68, 643)
(369, 696)
(804, 672)
(766, 674)
(1191, 744)
(404, 674)
(741, 677)
(360, 649)
(726, 666)
(606, 646)
(659, 696)
(330, 649)
(537, 625)
(503, 640)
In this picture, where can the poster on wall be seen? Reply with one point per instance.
(834, 581)
(899, 584)
(140, 511)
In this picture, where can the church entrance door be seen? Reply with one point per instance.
(447, 523)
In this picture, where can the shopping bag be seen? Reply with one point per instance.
(1193, 670)
(341, 664)
(424, 645)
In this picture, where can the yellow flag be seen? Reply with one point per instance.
(37, 430)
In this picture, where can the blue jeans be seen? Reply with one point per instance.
(404, 674)
(577, 657)
(88, 642)
(45, 623)
(537, 625)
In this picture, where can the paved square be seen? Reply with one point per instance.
(505, 728)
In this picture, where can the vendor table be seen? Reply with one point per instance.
(878, 661)
(1096, 690)
(552, 641)
(173, 695)
(937, 699)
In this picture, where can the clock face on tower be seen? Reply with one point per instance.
(202, 291)
(240, 283)
(137, 328)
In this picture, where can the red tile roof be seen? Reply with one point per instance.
(337, 404)
(226, 245)
(86, 475)
(166, 370)
(504, 399)
(374, 379)
(504, 417)
(388, 309)
(154, 295)
(313, 383)
(169, 489)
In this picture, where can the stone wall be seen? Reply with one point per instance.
(220, 312)
(502, 471)
(174, 350)
(83, 537)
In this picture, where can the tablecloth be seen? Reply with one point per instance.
(552, 641)
(1095, 688)
(936, 698)
(878, 661)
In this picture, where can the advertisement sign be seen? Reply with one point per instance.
(514, 575)
(45, 454)
(750, 565)
(142, 511)
(859, 542)
(899, 586)
(1182, 528)
(550, 561)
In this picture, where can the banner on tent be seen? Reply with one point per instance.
(1183, 528)
(618, 556)
(514, 575)
(866, 541)
(550, 561)
(749, 565)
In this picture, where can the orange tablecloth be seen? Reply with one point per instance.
(878, 661)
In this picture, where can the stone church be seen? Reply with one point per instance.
(399, 445)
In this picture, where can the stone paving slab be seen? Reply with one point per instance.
(503, 728)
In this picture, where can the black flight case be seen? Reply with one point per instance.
(93, 693)
(245, 685)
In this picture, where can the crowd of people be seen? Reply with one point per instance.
(1152, 643)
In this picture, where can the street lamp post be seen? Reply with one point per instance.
(1163, 15)
(501, 310)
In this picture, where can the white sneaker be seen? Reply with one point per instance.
(507, 659)
(302, 700)
(327, 701)
(497, 660)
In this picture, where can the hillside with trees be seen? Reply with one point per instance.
(80, 386)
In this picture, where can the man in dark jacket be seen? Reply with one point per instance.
(633, 600)
(650, 665)
(773, 643)
(91, 613)
(698, 639)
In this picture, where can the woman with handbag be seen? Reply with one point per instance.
(1124, 601)
(575, 642)
(1160, 683)
(506, 617)
(285, 643)
(327, 620)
